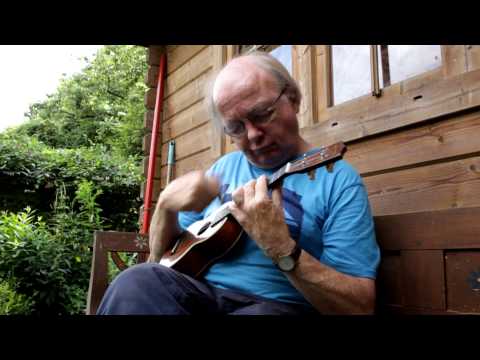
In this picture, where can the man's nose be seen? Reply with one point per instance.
(253, 132)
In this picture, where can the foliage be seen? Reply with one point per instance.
(77, 162)
(50, 263)
(30, 174)
(101, 105)
(12, 303)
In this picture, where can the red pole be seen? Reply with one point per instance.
(153, 145)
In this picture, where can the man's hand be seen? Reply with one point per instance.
(190, 192)
(261, 217)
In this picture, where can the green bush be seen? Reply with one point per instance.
(50, 263)
(32, 172)
(77, 162)
(12, 303)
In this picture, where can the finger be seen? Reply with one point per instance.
(277, 196)
(238, 197)
(237, 213)
(261, 190)
(249, 191)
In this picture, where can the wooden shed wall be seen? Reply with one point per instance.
(414, 155)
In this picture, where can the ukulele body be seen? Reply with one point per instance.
(201, 245)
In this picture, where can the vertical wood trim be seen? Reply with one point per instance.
(323, 96)
(217, 137)
(313, 82)
(473, 57)
(454, 60)
(376, 91)
(302, 61)
(232, 51)
(329, 74)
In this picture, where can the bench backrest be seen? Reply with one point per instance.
(430, 262)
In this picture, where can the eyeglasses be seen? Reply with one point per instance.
(236, 128)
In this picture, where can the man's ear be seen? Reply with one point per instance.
(293, 98)
(295, 104)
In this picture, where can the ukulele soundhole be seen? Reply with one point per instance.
(203, 228)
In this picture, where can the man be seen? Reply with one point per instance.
(322, 223)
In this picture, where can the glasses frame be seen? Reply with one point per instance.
(273, 104)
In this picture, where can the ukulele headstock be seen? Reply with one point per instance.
(324, 155)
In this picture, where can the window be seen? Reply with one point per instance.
(400, 62)
(358, 70)
(282, 53)
(350, 72)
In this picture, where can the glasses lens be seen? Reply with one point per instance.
(235, 129)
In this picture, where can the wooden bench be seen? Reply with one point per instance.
(430, 262)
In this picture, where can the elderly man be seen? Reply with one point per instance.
(322, 223)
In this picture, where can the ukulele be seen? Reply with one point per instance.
(207, 240)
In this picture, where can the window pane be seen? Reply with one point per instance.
(406, 61)
(351, 72)
(283, 54)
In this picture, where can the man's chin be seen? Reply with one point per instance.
(264, 162)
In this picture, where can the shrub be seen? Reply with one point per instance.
(50, 263)
(31, 173)
(12, 303)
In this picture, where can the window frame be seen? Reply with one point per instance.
(448, 89)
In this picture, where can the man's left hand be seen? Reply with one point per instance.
(261, 217)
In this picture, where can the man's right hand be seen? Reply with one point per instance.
(190, 192)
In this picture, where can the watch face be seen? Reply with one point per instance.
(286, 263)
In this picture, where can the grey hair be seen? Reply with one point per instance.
(266, 62)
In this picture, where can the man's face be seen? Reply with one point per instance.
(249, 97)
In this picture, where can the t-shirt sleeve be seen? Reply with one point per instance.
(349, 236)
(187, 218)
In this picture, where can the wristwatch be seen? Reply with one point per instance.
(288, 262)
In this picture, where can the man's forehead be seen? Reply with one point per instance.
(241, 77)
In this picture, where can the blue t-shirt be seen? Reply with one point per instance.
(328, 215)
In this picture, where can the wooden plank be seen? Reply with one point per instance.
(453, 60)
(423, 279)
(151, 77)
(180, 55)
(303, 65)
(155, 193)
(430, 230)
(200, 161)
(158, 165)
(98, 276)
(389, 281)
(405, 310)
(454, 184)
(217, 138)
(322, 98)
(439, 140)
(185, 97)
(154, 53)
(189, 143)
(350, 122)
(121, 241)
(463, 280)
(415, 86)
(146, 142)
(149, 98)
(232, 51)
(148, 120)
(194, 116)
(193, 68)
(473, 57)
